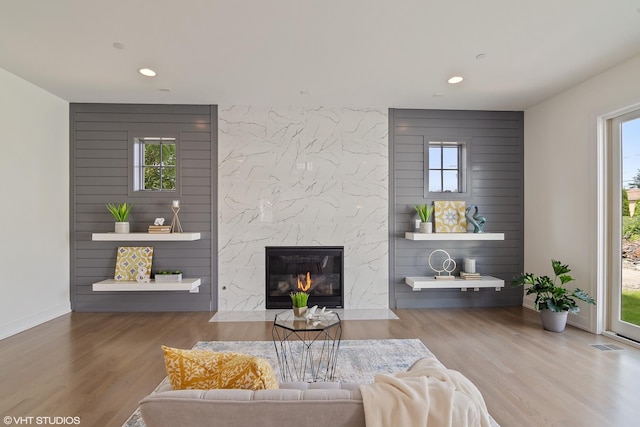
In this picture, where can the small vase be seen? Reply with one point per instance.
(426, 227)
(299, 311)
(122, 227)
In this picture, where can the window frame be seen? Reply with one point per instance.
(464, 172)
(135, 167)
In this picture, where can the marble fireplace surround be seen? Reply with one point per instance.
(302, 176)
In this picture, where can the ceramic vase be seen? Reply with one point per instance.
(426, 227)
(122, 227)
(299, 311)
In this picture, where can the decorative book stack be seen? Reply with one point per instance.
(159, 229)
(469, 276)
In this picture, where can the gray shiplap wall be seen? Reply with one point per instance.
(100, 173)
(495, 144)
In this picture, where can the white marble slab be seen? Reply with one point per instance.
(302, 176)
(269, 315)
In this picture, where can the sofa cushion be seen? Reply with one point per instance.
(204, 370)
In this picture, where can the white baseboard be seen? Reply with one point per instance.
(30, 321)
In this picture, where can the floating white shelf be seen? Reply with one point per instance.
(145, 237)
(190, 285)
(418, 283)
(453, 236)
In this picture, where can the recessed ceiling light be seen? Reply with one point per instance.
(481, 56)
(437, 95)
(147, 72)
(164, 89)
(305, 92)
(119, 46)
(455, 79)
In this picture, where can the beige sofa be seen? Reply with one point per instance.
(319, 404)
(294, 404)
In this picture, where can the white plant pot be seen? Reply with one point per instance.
(161, 278)
(426, 227)
(122, 227)
(554, 321)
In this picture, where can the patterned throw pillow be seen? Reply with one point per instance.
(205, 370)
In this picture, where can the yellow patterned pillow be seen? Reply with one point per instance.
(204, 370)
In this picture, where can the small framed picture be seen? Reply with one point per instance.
(130, 259)
(449, 216)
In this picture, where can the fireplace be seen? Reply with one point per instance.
(317, 270)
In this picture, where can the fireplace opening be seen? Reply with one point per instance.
(317, 270)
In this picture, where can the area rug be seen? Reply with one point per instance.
(358, 360)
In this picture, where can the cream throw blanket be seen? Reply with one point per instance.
(428, 395)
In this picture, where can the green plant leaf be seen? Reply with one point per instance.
(583, 296)
(121, 211)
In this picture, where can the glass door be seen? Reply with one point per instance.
(625, 283)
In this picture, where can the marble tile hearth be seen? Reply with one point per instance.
(269, 315)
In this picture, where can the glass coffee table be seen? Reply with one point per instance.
(307, 350)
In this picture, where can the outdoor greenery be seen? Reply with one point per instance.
(424, 211)
(159, 166)
(121, 211)
(635, 182)
(625, 203)
(631, 227)
(630, 306)
(550, 295)
(299, 299)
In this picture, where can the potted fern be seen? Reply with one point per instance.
(299, 300)
(120, 213)
(425, 215)
(553, 300)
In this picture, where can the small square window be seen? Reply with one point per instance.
(155, 164)
(446, 167)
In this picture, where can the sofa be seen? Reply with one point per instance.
(328, 404)
(426, 391)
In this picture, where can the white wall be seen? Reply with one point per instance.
(560, 177)
(302, 176)
(34, 258)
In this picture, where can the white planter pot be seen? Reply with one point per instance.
(552, 321)
(160, 278)
(426, 227)
(122, 227)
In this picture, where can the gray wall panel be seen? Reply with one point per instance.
(495, 144)
(100, 138)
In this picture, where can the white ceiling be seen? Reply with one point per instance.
(353, 53)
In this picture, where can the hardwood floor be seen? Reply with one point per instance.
(97, 366)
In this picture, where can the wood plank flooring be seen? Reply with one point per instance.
(97, 366)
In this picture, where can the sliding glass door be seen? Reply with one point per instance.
(624, 292)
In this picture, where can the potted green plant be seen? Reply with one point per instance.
(120, 212)
(553, 300)
(299, 300)
(425, 212)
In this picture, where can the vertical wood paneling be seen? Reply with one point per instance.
(495, 144)
(100, 167)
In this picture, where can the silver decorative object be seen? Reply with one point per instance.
(176, 227)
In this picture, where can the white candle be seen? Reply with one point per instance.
(176, 203)
(469, 265)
